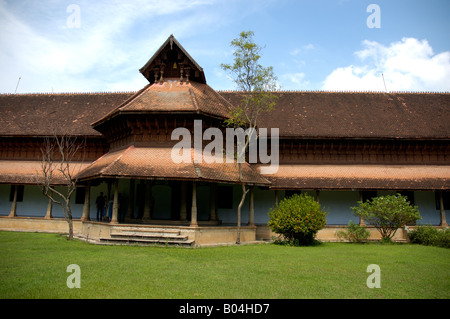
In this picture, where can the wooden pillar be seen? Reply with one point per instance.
(183, 210)
(442, 210)
(13, 212)
(212, 202)
(148, 201)
(194, 206)
(87, 203)
(48, 215)
(130, 211)
(115, 209)
(318, 196)
(276, 197)
(361, 218)
(251, 210)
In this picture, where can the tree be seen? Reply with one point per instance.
(298, 219)
(59, 157)
(256, 84)
(387, 213)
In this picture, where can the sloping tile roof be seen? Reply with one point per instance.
(173, 96)
(62, 113)
(322, 176)
(297, 114)
(357, 114)
(155, 161)
(30, 172)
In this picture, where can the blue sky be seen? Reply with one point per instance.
(312, 45)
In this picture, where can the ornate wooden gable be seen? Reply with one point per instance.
(172, 61)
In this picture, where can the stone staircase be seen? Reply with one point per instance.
(130, 235)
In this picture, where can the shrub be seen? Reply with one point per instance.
(387, 213)
(354, 233)
(298, 219)
(428, 235)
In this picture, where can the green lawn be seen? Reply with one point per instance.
(34, 266)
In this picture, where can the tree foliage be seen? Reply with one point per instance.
(387, 213)
(256, 84)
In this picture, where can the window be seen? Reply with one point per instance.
(20, 189)
(225, 197)
(368, 195)
(79, 195)
(445, 197)
(410, 196)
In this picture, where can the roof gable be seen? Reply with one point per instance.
(172, 61)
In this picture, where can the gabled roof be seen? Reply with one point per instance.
(172, 54)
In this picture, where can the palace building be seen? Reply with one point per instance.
(340, 147)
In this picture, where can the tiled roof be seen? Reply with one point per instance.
(361, 177)
(297, 114)
(155, 161)
(173, 96)
(62, 113)
(30, 172)
(358, 114)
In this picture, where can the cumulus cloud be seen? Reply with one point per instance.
(407, 65)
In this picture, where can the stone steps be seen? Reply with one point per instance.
(123, 235)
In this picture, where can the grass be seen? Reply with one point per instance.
(33, 265)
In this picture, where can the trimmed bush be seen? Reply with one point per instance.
(354, 233)
(298, 219)
(429, 235)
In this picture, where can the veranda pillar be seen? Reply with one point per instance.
(148, 201)
(276, 197)
(212, 202)
(87, 203)
(183, 210)
(130, 211)
(13, 212)
(194, 206)
(442, 210)
(251, 210)
(361, 218)
(115, 209)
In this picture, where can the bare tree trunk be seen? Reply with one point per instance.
(69, 220)
(58, 155)
(241, 203)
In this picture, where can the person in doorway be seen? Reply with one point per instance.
(100, 202)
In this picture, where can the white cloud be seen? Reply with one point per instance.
(407, 65)
(294, 81)
(105, 53)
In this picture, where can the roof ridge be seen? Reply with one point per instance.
(134, 96)
(343, 91)
(67, 93)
